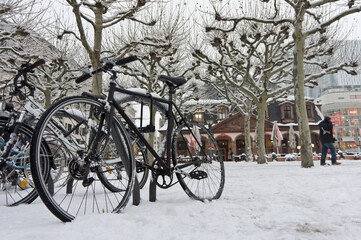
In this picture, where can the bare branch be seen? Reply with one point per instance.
(327, 23)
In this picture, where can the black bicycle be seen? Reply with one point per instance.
(102, 168)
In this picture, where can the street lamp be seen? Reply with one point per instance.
(210, 119)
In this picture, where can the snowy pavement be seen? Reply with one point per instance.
(278, 200)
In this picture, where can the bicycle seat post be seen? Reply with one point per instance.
(171, 91)
(112, 84)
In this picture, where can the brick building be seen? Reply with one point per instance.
(228, 128)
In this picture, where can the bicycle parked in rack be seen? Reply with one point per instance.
(102, 169)
(15, 133)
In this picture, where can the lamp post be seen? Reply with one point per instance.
(210, 119)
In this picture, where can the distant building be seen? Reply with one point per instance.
(228, 129)
(208, 111)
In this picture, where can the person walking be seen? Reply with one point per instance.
(327, 140)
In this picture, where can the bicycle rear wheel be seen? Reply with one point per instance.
(16, 183)
(198, 162)
(143, 161)
(96, 177)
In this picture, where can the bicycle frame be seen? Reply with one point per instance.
(169, 113)
(18, 155)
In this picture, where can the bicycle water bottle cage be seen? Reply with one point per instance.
(91, 95)
(147, 129)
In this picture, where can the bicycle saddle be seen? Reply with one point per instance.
(175, 81)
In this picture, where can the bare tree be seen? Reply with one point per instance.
(308, 19)
(18, 22)
(251, 62)
(21, 41)
(160, 49)
(99, 15)
(304, 9)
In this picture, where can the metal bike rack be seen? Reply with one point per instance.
(152, 191)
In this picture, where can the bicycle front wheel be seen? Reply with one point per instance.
(98, 174)
(198, 162)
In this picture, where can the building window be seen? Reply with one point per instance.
(287, 112)
(198, 116)
(222, 113)
(309, 111)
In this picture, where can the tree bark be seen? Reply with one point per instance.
(98, 29)
(247, 133)
(47, 95)
(299, 77)
(261, 151)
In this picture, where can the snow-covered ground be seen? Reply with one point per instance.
(279, 200)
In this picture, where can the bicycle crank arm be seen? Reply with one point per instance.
(184, 165)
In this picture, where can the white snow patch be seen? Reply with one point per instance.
(279, 200)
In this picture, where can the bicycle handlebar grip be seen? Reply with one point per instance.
(37, 63)
(126, 60)
(119, 62)
(82, 78)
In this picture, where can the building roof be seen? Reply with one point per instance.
(275, 114)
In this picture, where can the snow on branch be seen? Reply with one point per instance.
(322, 26)
(330, 70)
(236, 21)
(319, 3)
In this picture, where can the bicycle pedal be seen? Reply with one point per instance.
(199, 174)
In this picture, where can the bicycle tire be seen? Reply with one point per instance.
(142, 160)
(203, 180)
(72, 122)
(106, 150)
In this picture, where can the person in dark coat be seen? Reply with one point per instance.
(327, 140)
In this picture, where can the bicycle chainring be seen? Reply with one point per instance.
(76, 169)
(162, 177)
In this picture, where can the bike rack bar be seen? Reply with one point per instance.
(136, 192)
(152, 190)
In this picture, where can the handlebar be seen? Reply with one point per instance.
(24, 69)
(107, 66)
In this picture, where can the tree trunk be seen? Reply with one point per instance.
(47, 94)
(97, 79)
(261, 151)
(299, 76)
(247, 133)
